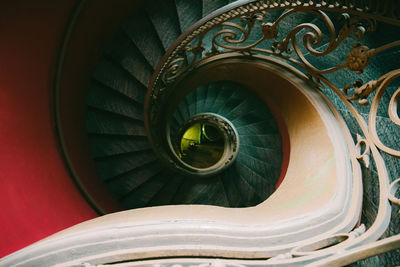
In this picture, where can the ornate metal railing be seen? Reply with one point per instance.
(245, 28)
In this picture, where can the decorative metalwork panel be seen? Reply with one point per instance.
(350, 51)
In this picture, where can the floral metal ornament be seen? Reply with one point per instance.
(247, 29)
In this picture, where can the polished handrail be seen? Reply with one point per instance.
(357, 60)
(384, 11)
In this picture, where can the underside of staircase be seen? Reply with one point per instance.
(173, 91)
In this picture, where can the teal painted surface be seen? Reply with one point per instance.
(387, 131)
(114, 121)
(130, 169)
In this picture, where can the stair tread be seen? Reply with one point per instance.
(164, 16)
(141, 196)
(142, 32)
(104, 98)
(123, 154)
(203, 191)
(125, 185)
(211, 5)
(211, 194)
(189, 12)
(113, 77)
(262, 187)
(247, 192)
(256, 111)
(124, 53)
(102, 146)
(261, 127)
(274, 156)
(114, 114)
(232, 102)
(244, 107)
(184, 109)
(104, 124)
(269, 172)
(191, 99)
(212, 93)
(168, 191)
(224, 94)
(231, 190)
(273, 141)
(200, 98)
(112, 167)
(130, 174)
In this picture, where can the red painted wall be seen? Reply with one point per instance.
(37, 196)
(93, 29)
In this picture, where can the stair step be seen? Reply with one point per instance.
(183, 108)
(104, 98)
(223, 93)
(202, 191)
(191, 99)
(211, 5)
(175, 126)
(124, 53)
(101, 123)
(115, 166)
(263, 168)
(212, 93)
(141, 31)
(272, 141)
(113, 77)
(248, 118)
(262, 187)
(113, 114)
(243, 107)
(262, 127)
(212, 193)
(164, 16)
(247, 192)
(189, 12)
(101, 146)
(232, 192)
(262, 153)
(178, 116)
(123, 154)
(168, 191)
(125, 186)
(142, 194)
(201, 96)
(232, 102)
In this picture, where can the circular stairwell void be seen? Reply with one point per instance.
(206, 144)
(126, 162)
(245, 175)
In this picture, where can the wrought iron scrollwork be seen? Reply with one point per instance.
(235, 31)
(229, 35)
(384, 82)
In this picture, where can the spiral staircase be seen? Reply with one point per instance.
(115, 124)
(145, 96)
